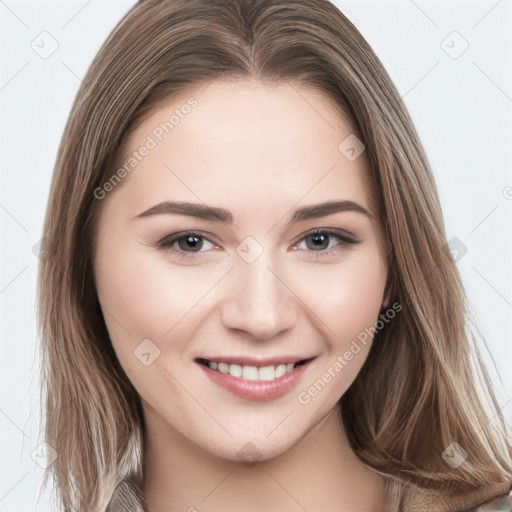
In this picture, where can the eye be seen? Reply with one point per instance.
(321, 242)
(188, 242)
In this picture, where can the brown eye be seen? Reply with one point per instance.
(190, 242)
(185, 244)
(319, 241)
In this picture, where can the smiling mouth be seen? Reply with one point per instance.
(254, 373)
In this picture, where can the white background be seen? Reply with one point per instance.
(462, 110)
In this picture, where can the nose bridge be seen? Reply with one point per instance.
(258, 301)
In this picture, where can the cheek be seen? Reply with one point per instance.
(131, 296)
(347, 308)
(345, 302)
(143, 297)
(347, 297)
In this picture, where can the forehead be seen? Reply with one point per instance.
(240, 144)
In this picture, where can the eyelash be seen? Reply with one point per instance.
(167, 243)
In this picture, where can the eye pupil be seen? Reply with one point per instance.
(318, 240)
(194, 242)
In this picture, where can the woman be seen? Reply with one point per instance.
(198, 354)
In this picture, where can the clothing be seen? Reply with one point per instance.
(126, 498)
(499, 499)
(499, 504)
(401, 499)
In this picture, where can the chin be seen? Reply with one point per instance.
(250, 447)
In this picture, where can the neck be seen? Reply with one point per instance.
(320, 472)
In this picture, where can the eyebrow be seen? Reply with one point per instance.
(216, 214)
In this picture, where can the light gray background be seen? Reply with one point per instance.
(462, 110)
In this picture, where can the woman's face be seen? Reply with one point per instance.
(206, 253)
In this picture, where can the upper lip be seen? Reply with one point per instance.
(255, 361)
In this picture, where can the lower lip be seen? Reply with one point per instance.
(257, 390)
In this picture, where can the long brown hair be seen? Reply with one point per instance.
(418, 391)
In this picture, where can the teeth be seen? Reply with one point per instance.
(281, 370)
(252, 372)
(222, 367)
(268, 373)
(235, 370)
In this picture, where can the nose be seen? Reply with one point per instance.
(259, 302)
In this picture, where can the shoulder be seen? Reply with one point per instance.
(501, 503)
(410, 498)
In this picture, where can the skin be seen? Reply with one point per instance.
(260, 151)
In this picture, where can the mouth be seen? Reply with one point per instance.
(267, 372)
(254, 379)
